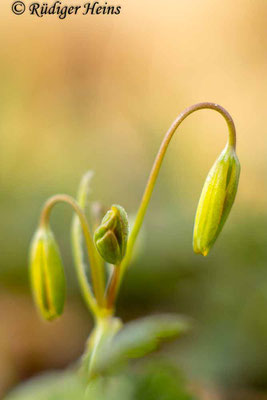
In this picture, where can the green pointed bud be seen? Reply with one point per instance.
(112, 234)
(47, 274)
(216, 200)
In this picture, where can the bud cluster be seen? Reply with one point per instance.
(111, 236)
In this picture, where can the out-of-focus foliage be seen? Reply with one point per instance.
(158, 381)
(52, 386)
(161, 382)
(139, 338)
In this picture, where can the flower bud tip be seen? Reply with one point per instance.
(47, 274)
(112, 235)
(216, 200)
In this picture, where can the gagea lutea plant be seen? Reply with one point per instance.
(110, 249)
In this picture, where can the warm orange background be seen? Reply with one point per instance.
(98, 92)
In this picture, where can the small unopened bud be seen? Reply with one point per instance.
(216, 200)
(47, 274)
(112, 235)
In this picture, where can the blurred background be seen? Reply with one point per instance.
(99, 92)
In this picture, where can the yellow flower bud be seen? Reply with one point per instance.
(216, 200)
(47, 274)
(112, 235)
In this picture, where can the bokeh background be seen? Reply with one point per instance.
(99, 92)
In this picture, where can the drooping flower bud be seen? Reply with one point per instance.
(112, 234)
(216, 200)
(47, 274)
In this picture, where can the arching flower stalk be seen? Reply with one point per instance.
(111, 243)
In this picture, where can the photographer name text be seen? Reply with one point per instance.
(63, 11)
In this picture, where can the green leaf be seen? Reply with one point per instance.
(76, 230)
(139, 338)
(161, 380)
(84, 189)
(68, 385)
(53, 386)
(77, 235)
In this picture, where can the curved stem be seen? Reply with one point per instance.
(96, 271)
(157, 164)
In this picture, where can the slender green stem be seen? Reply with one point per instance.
(96, 269)
(113, 287)
(157, 164)
(81, 268)
(106, 328)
